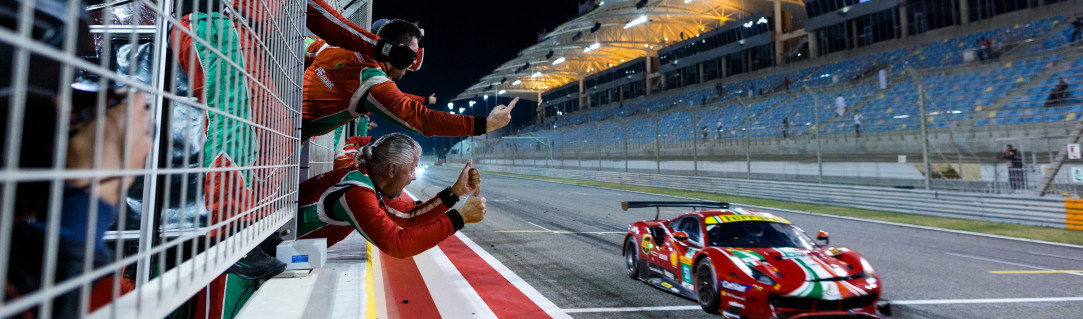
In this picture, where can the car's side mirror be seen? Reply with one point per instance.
(680, 236)
(824, 236)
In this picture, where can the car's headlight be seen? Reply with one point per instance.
(867, 268)
(762, 277)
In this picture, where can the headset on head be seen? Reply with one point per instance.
(420, 44)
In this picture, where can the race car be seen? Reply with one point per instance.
(744, 263)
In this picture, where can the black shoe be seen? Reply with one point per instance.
(257, 265)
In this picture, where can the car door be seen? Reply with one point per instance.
(683, 263)
(656, 248)
(670, 251)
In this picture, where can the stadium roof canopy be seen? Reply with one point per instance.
(615, 32)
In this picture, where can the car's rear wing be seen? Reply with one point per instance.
(658, 205)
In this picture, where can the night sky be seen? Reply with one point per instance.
(465, 40)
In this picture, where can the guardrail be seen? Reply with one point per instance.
(1035, 211)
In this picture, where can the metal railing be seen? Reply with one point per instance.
(1036, 211)
(115, 207)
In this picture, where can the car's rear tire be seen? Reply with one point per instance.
(631, 259)
(706, 289)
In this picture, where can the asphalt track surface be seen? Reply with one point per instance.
(565, 240)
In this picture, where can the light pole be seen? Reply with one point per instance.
(497, 102)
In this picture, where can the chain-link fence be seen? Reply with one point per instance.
(149, 145)
(933, 127)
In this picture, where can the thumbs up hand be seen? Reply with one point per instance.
(473, 209)
(469, 179)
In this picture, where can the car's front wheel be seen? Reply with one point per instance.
(706, 290)
(631, 259)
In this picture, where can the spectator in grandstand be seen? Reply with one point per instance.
(1059, 94)
(1015, 167)
(363, 197)
(986, 50)
(1078, 27)
(718, 130)
(857, 122)
(705, 132)
(785, 127)
(337, 77)
(840, 106)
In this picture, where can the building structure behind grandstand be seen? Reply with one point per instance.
(707, 97)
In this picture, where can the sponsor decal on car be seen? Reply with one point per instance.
(667, 285)
(729, 285)
(663, 257)
(647, 244)
(668, 274)
(686, 260)
(686, 273)
(749, 218)
(673, 259)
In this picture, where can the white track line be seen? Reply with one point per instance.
(1055, 256)
(544, 303)
(899, 302)
(627, 309)
(970, 301)
(539, 226)
(378, 284)
(1008, 263)
(833, 216)
(450, 291)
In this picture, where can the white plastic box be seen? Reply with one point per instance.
(303, 254)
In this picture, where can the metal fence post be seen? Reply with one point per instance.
(625, 126)
(816, 124)
(599, 149)
(657, 147)
(695, 147)
(924, 127)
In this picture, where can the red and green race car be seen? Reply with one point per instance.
(745, 263)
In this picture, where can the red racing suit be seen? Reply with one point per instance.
(345, 158)
(341, 85)
(325, 22)
(335, 203)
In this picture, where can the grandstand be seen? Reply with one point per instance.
(975, 99)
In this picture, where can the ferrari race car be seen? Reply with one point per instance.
(744, 263)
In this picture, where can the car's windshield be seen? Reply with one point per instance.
(757, 234)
